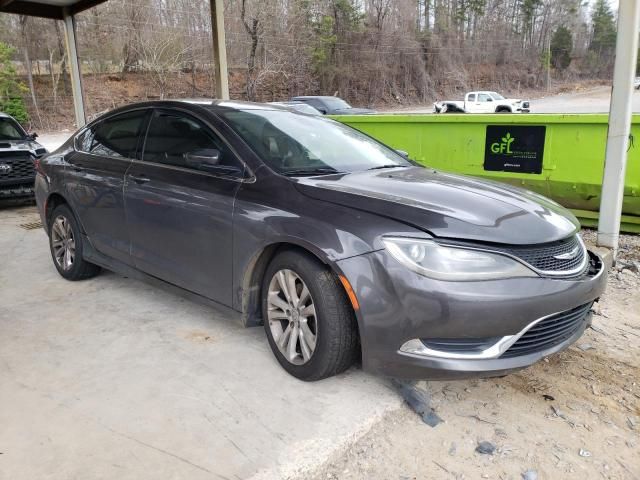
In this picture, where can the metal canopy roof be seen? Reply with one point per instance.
(47, 8)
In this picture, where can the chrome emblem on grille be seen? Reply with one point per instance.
(569, 255)
(4, 168)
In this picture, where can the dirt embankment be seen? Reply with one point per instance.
(104, 92)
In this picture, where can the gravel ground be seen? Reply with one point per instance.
(574, 415)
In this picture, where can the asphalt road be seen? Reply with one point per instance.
(595, 100)
(592, 100)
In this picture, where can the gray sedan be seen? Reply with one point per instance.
(340, 246)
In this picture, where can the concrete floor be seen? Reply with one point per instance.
(111, 378)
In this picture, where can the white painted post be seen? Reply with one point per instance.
(74, 68)
(219, 49)
(619, 124)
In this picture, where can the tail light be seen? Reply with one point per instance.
(38, 166)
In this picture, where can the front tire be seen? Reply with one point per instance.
(65, 244)
(308, 319)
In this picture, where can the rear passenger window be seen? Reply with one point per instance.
(114, 137)
(472, 97)
(172, 136)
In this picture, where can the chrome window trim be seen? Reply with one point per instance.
(168, 166)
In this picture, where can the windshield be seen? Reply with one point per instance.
(292, 143)
(496, 96)
(10, 130)
(335, 103)
(304, 108)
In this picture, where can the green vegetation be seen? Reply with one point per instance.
(561, 47)
(603, 41)
(11, 89)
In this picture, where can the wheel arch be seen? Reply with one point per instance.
(53, 201)
(503, 109)
(251, 281)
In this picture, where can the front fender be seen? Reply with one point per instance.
(273, 213)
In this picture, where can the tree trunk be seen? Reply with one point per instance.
(63, 58)
(27, 65)
(427, 15)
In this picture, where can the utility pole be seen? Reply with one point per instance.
(219, 49)
(615, 163)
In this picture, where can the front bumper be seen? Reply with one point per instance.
(21, 189)
(397, 305)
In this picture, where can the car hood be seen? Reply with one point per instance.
(447, 205)
(19, 145)
(352, 111)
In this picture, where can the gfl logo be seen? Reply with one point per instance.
(504, 146)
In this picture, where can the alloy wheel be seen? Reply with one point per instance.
(292, 317)
(63, 243)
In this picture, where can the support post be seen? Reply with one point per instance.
(619, 125)
(74, 67)
(219, 49)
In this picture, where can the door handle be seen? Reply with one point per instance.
(140, 179)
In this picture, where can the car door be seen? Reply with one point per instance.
(472, 106)
(94, 179)
(179, 216)
(485, 103)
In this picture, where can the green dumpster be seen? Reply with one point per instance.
(559, 156)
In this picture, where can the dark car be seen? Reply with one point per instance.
(298, 107)
(342, 247)
(18, 151)
(331, 105)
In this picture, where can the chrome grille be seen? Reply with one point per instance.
(19, 165)
(549, 332)
(544, 257)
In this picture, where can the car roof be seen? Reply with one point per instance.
(209, 103)
(289, 102)
(315, 96)
(5, 115)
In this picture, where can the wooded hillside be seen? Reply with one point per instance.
(368, 51)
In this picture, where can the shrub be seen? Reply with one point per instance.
(11, 89)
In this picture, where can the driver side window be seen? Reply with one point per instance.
(483, 97)
(172, 138)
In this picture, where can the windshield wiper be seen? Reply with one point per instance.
(310, 171)
(387, 166)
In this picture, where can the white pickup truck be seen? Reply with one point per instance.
(482, 102)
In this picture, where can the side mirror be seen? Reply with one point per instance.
(489, 99)
(32, 136)
(322, 110)
(208, 160)
(402, 153)
(202, 159)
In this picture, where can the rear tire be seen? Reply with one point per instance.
(322, 338)
(66, 246)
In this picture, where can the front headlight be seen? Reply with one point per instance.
(441, 262)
